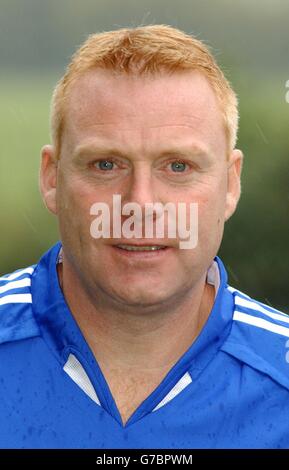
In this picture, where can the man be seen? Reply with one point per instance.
(124, 341)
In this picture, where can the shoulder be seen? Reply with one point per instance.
(259, 337)
(16, 314)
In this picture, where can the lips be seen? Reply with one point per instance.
(130, 247)
(144, 252)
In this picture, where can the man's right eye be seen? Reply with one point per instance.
(104, 165)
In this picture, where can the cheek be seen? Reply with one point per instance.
(73, 193)
(212, 196)
(73, 202)
(211, 199)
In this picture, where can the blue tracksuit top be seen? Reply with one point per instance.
(229, 390)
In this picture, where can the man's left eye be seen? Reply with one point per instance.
(104, 165)
(178, 167)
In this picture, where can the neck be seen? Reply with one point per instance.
(140, 339)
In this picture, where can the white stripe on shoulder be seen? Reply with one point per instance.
(16, 299)
(260, 323)
(16, 274)
(26, 282)
(232, 289)
(250, 304)
(272, 309)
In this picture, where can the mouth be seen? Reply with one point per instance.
(141, 252)
(129, 247)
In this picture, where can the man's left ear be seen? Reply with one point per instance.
(234, 182)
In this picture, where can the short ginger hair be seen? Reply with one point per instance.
(144, 50)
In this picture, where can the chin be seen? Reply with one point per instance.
(143, 296)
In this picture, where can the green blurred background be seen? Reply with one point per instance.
(250, 40)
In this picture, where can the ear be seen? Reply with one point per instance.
(48, 178)
(233, 182)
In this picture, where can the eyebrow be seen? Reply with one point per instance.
(93, 149)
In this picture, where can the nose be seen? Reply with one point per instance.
(141, 188)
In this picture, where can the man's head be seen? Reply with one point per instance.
(145, 113)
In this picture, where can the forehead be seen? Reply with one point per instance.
(128, 107)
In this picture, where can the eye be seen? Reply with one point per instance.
(178, 166)
(104, 165)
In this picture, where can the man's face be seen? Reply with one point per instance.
(140, 128)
